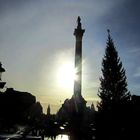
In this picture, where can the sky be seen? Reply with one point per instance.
(37, 45)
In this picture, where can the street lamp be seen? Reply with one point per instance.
(1, 71)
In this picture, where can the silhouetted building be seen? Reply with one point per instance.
(1, 71)
(16, 106)
(135, 100)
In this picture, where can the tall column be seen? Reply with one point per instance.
(78, 33)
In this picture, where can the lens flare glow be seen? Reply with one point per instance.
(66, 75)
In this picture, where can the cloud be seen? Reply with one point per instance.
(137, 72)
(135, 88)
(134, 50)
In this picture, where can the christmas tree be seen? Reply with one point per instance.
(113, 85)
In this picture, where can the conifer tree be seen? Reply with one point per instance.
(113, 85)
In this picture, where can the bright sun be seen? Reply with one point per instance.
(66, 75)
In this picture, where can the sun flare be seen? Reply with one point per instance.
(66, 75)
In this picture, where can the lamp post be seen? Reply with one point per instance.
(1, 71)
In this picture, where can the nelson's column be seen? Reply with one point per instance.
(77, 103)
(77, 96)
(78, 33)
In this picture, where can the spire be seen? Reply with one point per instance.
(48, 110)
(92, 107)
